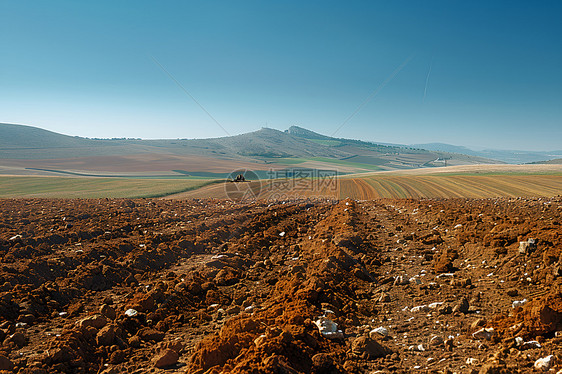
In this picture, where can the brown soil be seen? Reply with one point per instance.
(137, 164)
(210, 286)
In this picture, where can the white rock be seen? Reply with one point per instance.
(131, 312)
(260, 340)
(472, 361)
(418, 348)
(436, 341)
(420, 308)
(531, 344)
(435, 305)
(282, 233)
(517, 303)
(445, 275)
(382, 331)
(328, 328)
(544, 363)
(484, 334)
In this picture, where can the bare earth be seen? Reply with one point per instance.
(401, 286)
(140, 164)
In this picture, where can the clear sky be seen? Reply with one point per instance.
(482, 74)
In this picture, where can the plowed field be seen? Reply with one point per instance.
(136, 286)
(479, 182)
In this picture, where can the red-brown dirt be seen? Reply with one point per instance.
(211, 286)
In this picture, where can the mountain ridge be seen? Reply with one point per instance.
(293, 147)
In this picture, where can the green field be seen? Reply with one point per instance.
(64, 187)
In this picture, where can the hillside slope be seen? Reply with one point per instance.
(27, 137)
(509, 156)
(24, 147)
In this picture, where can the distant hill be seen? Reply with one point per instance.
(40, 149)
(442, 147)
(270, 143)
(509, 156)
(28, 137)
(307, 134)
(388, 156)
(19, 141)
(556, 161)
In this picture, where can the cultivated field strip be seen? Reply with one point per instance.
(71, 187)
(447, 186)
(470, 183)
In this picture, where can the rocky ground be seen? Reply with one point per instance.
(150, 286)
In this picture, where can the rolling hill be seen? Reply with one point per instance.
(26, 149)
(509, 156)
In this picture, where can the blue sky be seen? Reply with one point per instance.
(482, 74)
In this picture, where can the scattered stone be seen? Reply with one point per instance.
(379, 331)
(234, 309)
(131, 312)
(484, 334)
(530, 345)
(472, 361)
(323, 363)
(176, 345)
(462, 306)
(384, 298)
(166, 358)
(27, 318)
(106, 335)
(401, 280)
(477, 324)
(420, 308)
(415, 280)
(436, 341)
(368, 348)
(148, 334)
(527, 246)
(18, 339)
(134, 341)
(117, 357)
(417, 348)
(108, 311)
(260, 340)
(435, 305)
(545, 363)
(6, 364)
(96, 321)
(328, 328)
